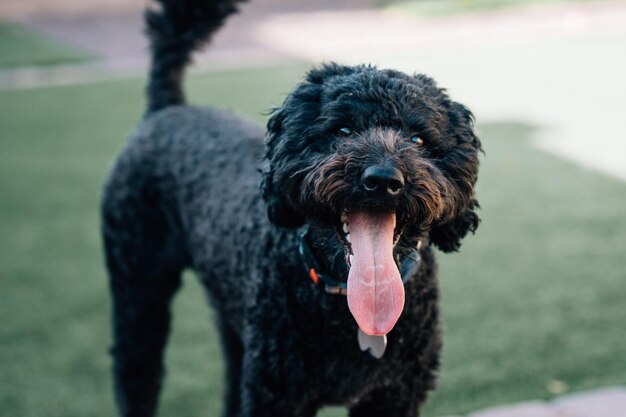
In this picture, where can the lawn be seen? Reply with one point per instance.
(533, 304)
(21, 47)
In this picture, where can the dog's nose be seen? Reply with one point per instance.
(382, 180)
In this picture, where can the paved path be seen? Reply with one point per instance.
(609, 402)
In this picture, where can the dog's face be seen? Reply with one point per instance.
(381, 159)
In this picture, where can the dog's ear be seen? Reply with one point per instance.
(448, 236)
(463, 166)
(279, 211)
(287, 130)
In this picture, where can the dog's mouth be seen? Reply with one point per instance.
(375, 289)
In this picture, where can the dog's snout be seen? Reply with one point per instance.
(382, 180)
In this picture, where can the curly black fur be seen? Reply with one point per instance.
(315, 171)
(175, 29)
(184, 193)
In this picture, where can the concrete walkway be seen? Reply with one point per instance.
(609, 402)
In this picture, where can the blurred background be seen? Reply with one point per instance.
(534, 304)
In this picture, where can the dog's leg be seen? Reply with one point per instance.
(141, 325)
(269, 388)
(144, 268)
(233, 354)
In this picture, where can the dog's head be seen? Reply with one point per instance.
(380, 158)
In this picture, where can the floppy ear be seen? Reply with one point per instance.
(463, 166)
(286, 129)
(447, 236)
(279, 211)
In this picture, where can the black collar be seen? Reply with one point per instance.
(409, 266)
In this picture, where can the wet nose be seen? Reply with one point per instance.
(382, 180)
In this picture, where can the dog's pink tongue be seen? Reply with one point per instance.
(375, 289)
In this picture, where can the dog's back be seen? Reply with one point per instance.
(167, 181)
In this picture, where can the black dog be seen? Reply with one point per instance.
(364, 171)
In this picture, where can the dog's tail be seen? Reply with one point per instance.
(176, 28)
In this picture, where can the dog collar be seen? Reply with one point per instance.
(409, 266)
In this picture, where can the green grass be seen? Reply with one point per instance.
(535, 296)
(455, 7)
(21, 47)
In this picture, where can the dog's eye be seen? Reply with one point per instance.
(344, 131)
(417, 139)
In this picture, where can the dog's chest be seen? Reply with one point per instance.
(343, 373)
